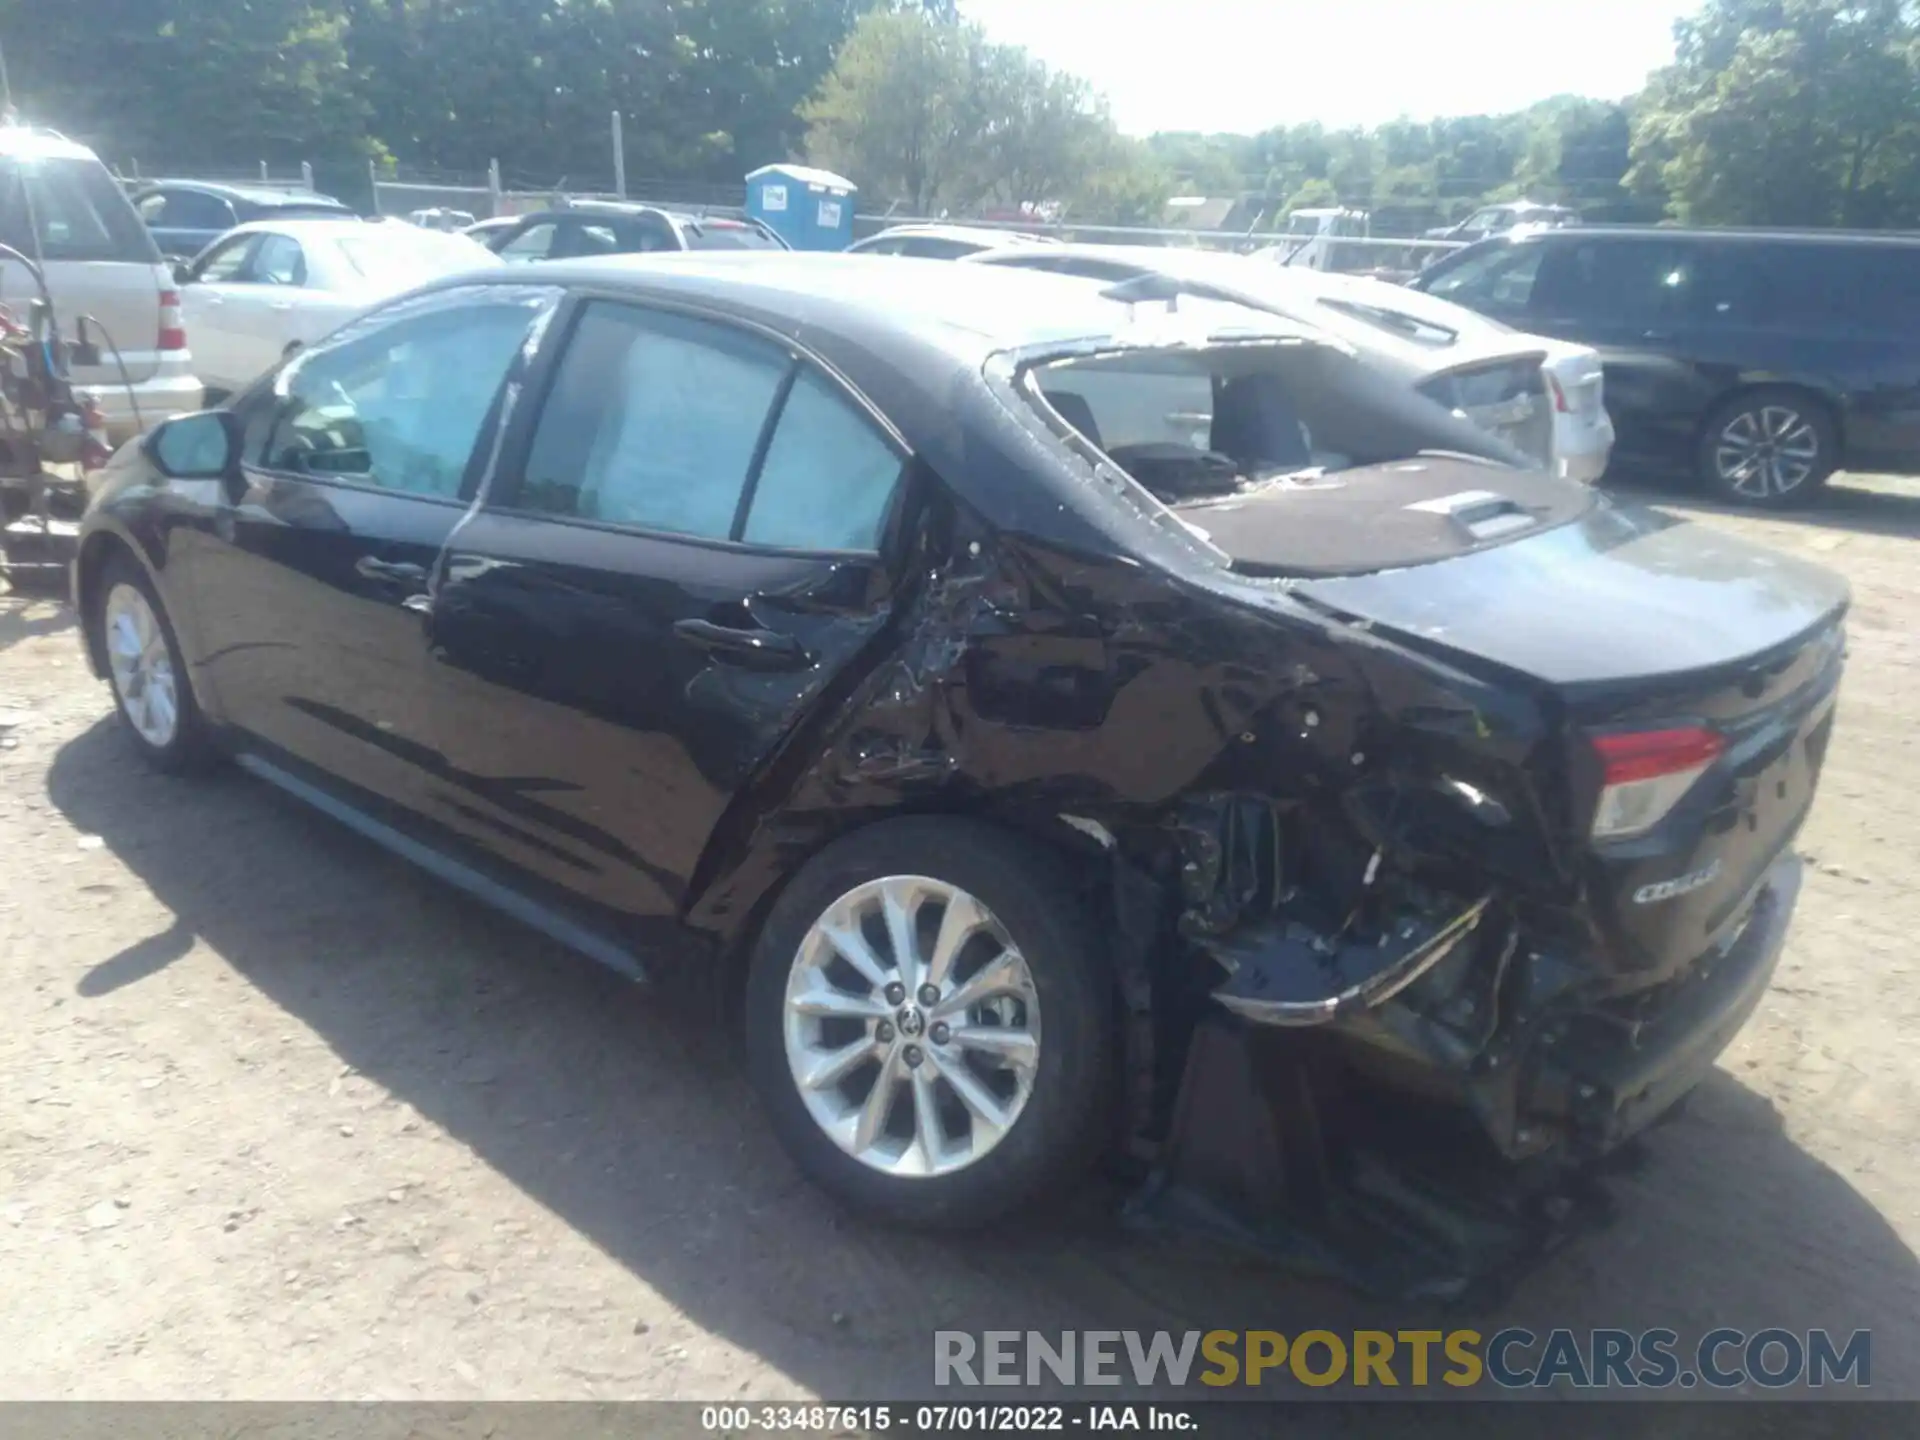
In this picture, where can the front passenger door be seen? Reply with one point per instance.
(311, 584)
(677, 562)
(212, 299)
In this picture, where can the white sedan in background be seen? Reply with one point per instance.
(265, 287)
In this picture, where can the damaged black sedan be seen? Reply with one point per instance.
(1075, 721)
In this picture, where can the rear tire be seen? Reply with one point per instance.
(1767, 448)
(985, 1104)
(146, 670)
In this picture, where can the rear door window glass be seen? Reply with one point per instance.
(932, 247)
(399, 403)
(828, 475)
(190, 210)
(1619, 281)
(653, 421)
(79, 212)
(280, 261)
(728, 235)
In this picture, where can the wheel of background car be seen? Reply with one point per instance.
(1770, 447)
(145, 669)
(929, 1026)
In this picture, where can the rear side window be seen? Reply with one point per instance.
(669, 423)
(828, 475)
(933, 247)
(190, 210)
(78, 212)
(1824, 288)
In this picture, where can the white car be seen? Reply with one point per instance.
(263, 288)
(1543, 396)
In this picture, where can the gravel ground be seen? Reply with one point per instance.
(285, 1119)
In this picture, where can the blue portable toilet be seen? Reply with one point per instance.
(809, 209)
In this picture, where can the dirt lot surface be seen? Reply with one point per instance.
(284, 1119)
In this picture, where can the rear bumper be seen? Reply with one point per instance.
(1610, 1076)
(152, 400)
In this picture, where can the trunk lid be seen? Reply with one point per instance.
(1628, 620)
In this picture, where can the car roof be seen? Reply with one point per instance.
(32, 142)
(251, 194)
(966, 312)
(1735, 234)
(981, 234)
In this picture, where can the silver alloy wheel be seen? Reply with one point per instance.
(1770, 450)
(912, 1026)
(141, 666)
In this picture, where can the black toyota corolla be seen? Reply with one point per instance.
(1074, 722)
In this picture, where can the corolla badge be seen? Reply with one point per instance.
(1680, 885)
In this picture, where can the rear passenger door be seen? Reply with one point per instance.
(684, 551)
(1639, 303)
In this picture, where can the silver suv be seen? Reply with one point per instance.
(100, 263)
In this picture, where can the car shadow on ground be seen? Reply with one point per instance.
(600, 1102)
(1869, 505)
(26, 615)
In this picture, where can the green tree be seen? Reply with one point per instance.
(1785, 112)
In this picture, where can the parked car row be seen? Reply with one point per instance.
(1761, 361)
(1032, 701)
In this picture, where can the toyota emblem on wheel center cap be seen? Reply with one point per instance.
(912, 1022)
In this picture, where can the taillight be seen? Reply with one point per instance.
(173, 329)
(1559, 395)
(1645, 773)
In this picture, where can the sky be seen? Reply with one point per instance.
(1246, 65)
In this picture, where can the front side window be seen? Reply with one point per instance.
(533, 243)
(655, 421)
(226, 262)
(1501, 278)
(398, 400)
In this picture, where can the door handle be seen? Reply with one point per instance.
(756, 649)
(280, 304)
(390, 572)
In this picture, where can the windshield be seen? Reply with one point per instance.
(389, 256)
(728, 235)
(79, 212)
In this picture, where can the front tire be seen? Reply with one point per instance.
(147, 671)
(928, 1025)
(1767, 448)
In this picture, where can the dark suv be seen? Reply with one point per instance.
(1764, 360)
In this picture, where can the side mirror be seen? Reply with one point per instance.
(182, 271)
(196, 447)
